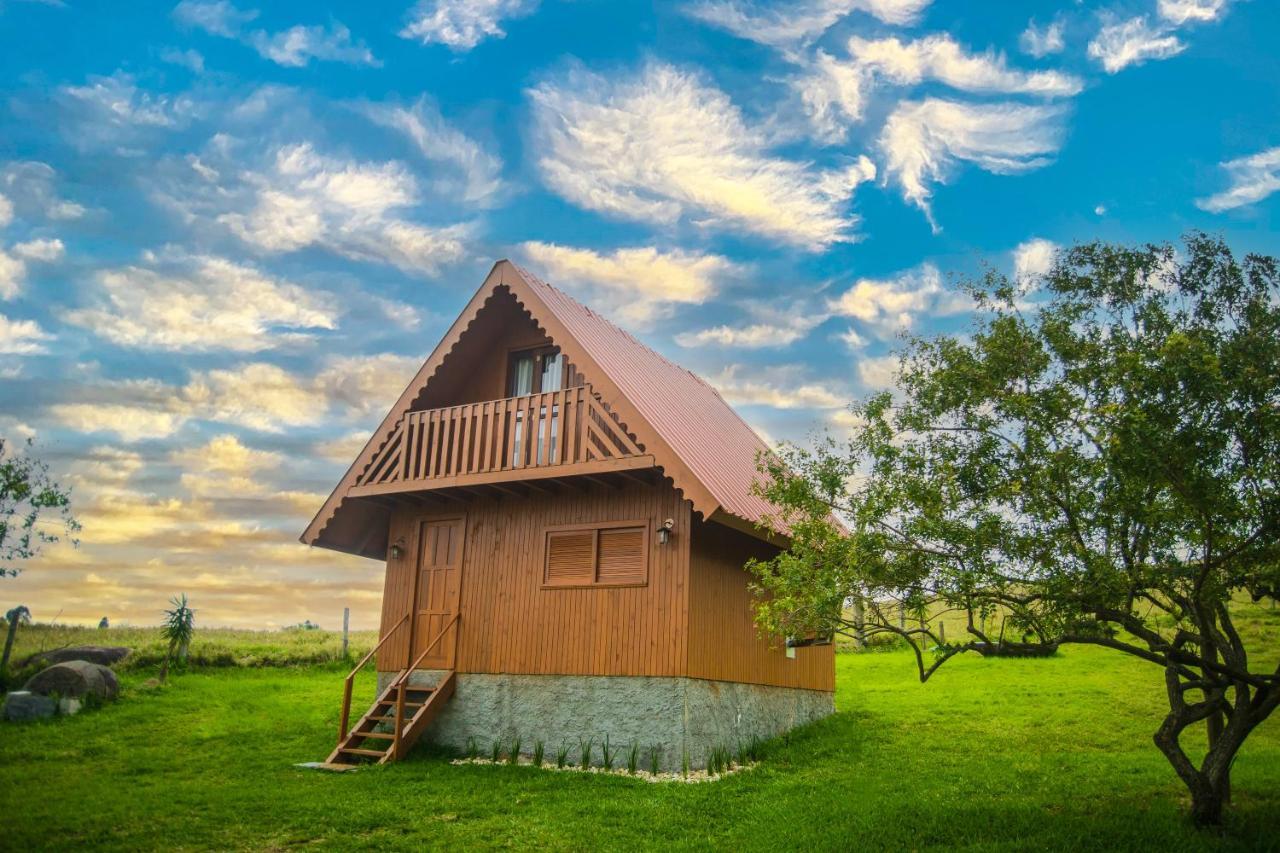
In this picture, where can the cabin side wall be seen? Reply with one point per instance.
(511, 623)
(724, 644)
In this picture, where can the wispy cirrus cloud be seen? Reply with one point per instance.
(301, 198)
(888, 306)
(258, 396)
(294, 47)
(463, 24)
(798, 22)
(922, 140)
(664, 145)
(835, 91)
(1251, 179)
(22, 337)
(779, 387)
(635, 285)
(469, 167)
(1041, 41)
(1134, 41)
(201, 304)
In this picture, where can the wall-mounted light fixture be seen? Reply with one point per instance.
(664, 531)
(397, 549)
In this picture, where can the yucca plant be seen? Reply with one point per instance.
(633, 758)
(606, 754)
(178, 627)
(513, 757)
(538, 752)
(584, 747)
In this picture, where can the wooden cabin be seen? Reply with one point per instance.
(564, 515)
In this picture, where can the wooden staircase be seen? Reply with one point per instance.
(398, 717)
(393, 723)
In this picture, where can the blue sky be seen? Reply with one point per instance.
(229, 232)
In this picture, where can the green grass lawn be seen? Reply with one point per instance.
(990, 755)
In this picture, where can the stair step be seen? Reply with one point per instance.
(351, 750)
(377, 735)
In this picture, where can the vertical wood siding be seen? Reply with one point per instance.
(723, 642)
(512, 624)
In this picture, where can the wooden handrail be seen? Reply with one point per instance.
(401, 683)
(351, 677)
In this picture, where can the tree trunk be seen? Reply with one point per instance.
(8, 646)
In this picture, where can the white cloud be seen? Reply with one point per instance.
(219, 18)
(225, 467)
(292, 48)
(798, 22)
(753, 336)
(664, 145)
(44, 250)
(1100, 210)
(131, 423)
(6, 211)
(201, 304)
(878, 373)
(634, 285)
(1120, 44)
(116, 102)
(1252, 179)
(852, 340)
(22, 337)
(463, 24)
(923, 139)
(12, 274)
(1041, 41)
(781, 387)
(30, 185)
(476, 173)
(1033, 259)
(189, 59)
(298, 45)
(893, 304)
(832, 87)
(307, 199)
(1179, 12)
(257, 395)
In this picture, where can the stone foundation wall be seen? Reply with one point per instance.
(680, 716)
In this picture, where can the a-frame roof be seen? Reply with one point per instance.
(698, 440)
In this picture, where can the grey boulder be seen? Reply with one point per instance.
(23, 705)
(105, 655)
(75, 679)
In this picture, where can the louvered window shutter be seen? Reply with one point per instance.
(571, 557)
(621, 556)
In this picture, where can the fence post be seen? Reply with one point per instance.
(346, 625)
(859, 625)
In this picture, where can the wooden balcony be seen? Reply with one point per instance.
(555, 434)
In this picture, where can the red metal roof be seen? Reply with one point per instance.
(716, 444)
(700, 442)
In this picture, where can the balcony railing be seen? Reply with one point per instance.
(505, 439)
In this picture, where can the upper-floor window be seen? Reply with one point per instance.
(535, 371)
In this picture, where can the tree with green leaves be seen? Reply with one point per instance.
(1098, 462)
(178, 627)
(34, 510)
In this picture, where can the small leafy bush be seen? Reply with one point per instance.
(562, 756)
(513, 757)
(584, 749)
(539, 751)
(633, 758)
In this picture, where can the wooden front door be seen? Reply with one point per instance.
(438, 590)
